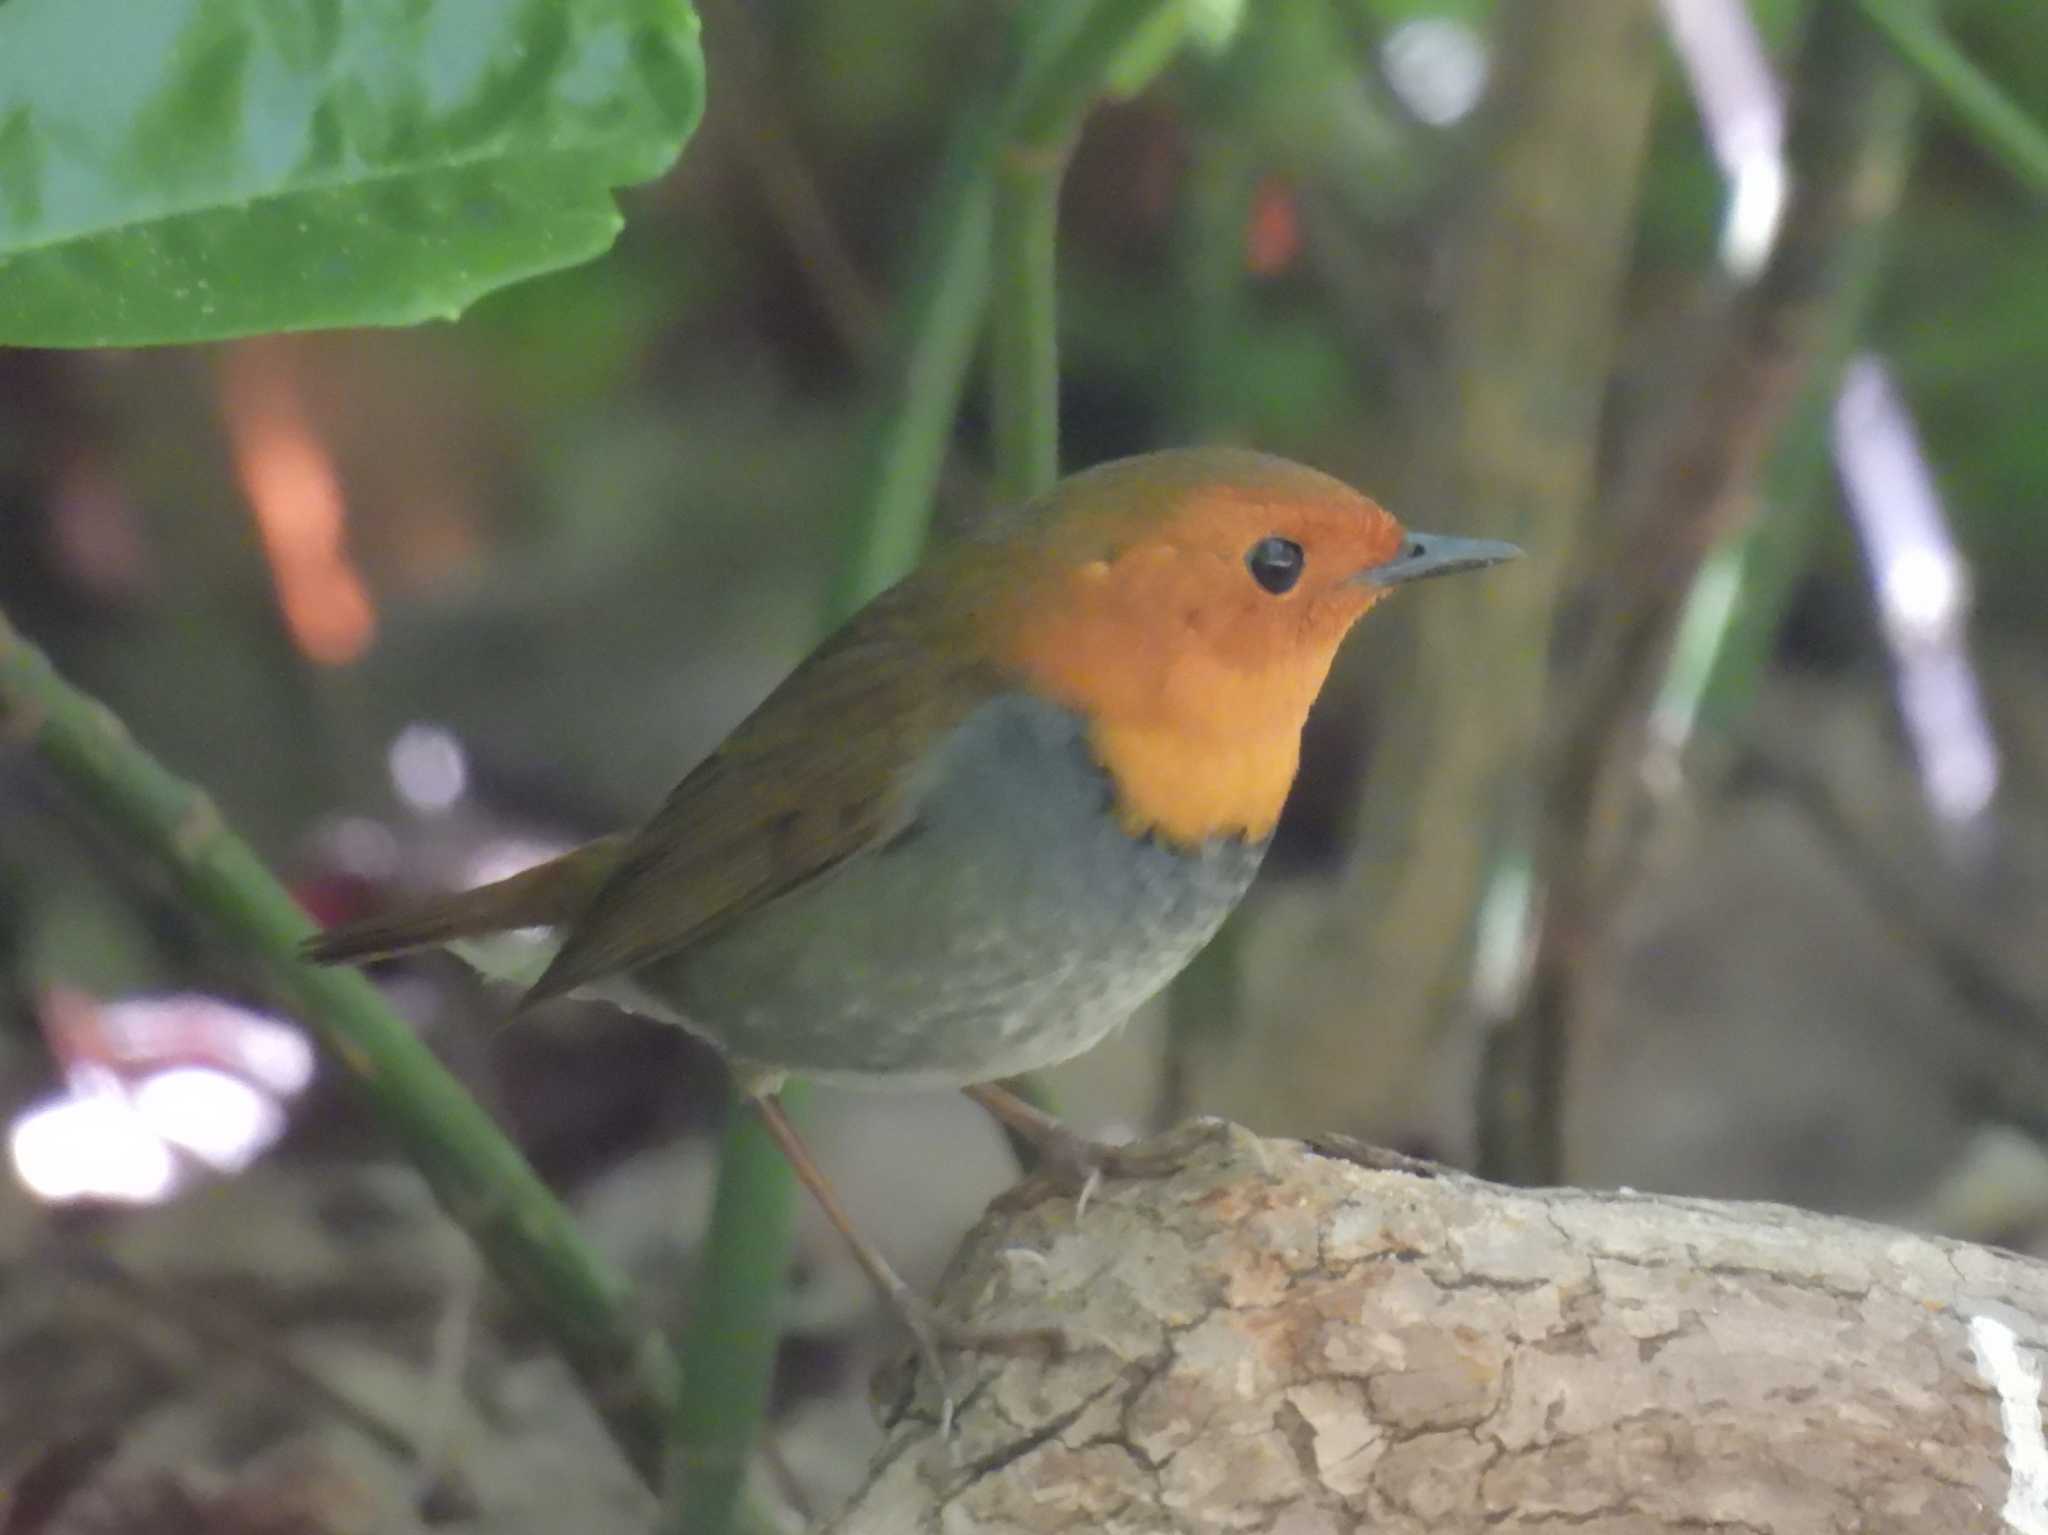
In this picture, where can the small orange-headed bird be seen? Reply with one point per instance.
(996, 811)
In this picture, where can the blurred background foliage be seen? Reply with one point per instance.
(415, 603)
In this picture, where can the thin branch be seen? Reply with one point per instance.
(479, 1176)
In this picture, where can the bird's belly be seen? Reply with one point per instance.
(1010, 927)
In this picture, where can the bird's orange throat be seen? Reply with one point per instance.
(1200, 736)
(1186, 793)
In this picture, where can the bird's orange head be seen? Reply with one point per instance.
(1188, 605)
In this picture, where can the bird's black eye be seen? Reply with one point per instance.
(1275, 563)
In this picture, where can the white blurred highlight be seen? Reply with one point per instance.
(1923, 591)
(1505, 943)
(1756, 209)
(143, 1033)
(428, 767)
(91, 1146)
(360, 847)
(1437, 66)
(277, 1055)
(155, 1091)
(1742, 111)
(219, 1119)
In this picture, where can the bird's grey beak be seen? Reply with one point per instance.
(1434, 554)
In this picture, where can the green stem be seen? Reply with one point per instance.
(1024, 376)
(1065, 53)
(1068, 57)
(1070, 54)
(479, 1177)
(1971, 96)
(734, 1330)
(931, 345)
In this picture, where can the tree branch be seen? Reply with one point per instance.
(1313, 1338)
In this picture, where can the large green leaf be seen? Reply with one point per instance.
(183, 170)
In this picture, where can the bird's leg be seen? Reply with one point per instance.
(1073, 1158)
(885, 1279)
(928, 1330)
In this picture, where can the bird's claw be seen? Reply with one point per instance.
(1080, 1164)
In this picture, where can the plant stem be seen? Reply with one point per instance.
(1985, 112)
(1024, 373)
(1067, 58)
(1065, 52)
(479, 1177)
(1070, 53)
(931, 344)
(735, 1326)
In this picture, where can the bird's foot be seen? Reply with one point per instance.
(1080, 1164)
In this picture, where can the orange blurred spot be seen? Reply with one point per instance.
(1272, 237)
(290, 480)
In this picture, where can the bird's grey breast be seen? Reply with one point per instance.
(1009, 925)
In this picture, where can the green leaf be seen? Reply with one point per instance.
(186, 170)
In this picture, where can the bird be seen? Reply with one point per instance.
(993, 813)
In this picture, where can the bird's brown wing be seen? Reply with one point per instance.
(824, 769)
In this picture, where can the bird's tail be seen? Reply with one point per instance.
(546, 895)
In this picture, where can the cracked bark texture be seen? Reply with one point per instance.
(1282, 1339)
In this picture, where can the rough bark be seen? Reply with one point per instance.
(1285, 1339)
